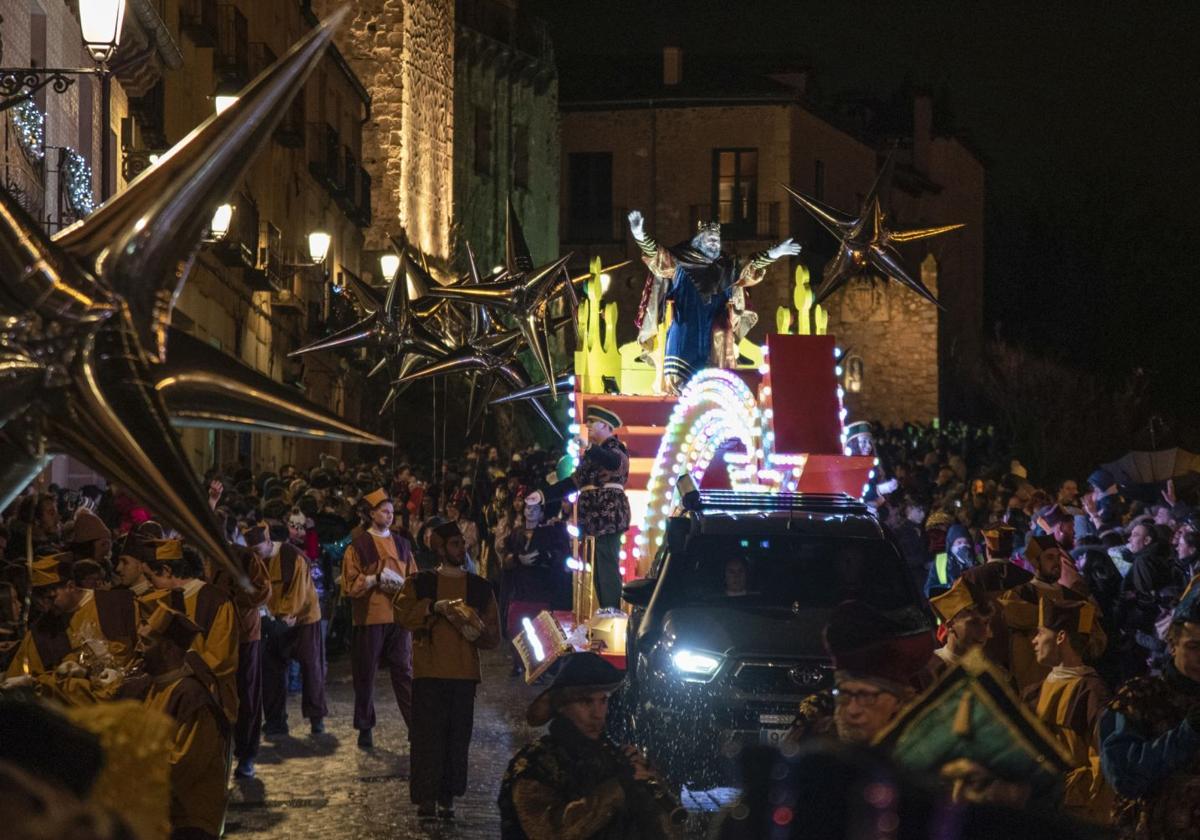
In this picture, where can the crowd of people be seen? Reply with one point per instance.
(101, 602)
(1080, 596)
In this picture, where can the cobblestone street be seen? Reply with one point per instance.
(323, 786)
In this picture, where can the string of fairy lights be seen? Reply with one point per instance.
(76, 172)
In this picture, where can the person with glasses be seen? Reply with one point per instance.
(877, 667)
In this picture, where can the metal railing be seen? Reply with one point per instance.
(198, 20)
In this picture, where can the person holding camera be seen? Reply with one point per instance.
(573, 781)
(374, 568)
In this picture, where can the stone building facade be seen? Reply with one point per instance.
(682, 153)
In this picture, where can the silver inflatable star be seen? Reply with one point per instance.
(88, 363)
(867, 244)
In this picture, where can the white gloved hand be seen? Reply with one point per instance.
(441, 606)
(389, 577)
(529, 558)
(372, 580)
(22, 681)
(637, 225)
(786, 248)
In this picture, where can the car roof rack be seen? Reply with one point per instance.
(732, 501)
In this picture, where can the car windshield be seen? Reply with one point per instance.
(790, 572)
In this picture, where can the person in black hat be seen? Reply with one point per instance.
(573, 781)
(603, 512)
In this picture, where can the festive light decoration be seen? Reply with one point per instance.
(78, 176)
(31, 128)
(715, 408)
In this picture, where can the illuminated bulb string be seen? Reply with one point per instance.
(78, 176)
(31, 128)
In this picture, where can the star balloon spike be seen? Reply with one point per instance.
(867, 245)
(86, 318)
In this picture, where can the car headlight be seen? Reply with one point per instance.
(694, 663)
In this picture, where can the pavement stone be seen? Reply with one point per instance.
(324, 786)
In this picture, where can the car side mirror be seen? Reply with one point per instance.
(638, 592)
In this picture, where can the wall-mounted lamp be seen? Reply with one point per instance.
(389, 264)
(318, 246)
(100, 22)
(221, 220)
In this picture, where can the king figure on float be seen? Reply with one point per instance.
(707, 291)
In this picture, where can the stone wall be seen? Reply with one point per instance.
(403, 50)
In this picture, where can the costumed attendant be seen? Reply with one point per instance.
(708, 293)
(452, 614)
(374, 568)
(294, 632)
(72, 617)
(182, 688)
(1070, 702)
(603, 511)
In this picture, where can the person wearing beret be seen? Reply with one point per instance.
(1150, 739)
(1070, 700)
(292, 632)
(573, 782)
(452, 614)
(90, 538)
(966, 612)
(1056, 522)
(181, 688)
(177, 574)
(603, 509)
(72, 616)
(374, 567)
(129, 568)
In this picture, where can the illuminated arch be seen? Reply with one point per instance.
(716, 407)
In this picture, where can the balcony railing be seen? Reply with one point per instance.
(239, 247)
(739, 221)
(270, 254)
(198, 20)
(290, 132)
(231, 61)
(598, 229)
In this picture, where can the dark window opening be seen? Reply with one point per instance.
(590, 184)
(735, 191)
(483, 141)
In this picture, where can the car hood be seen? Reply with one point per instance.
(749, 631)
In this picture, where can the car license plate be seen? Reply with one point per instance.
(771, 737)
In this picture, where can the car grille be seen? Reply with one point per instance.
(781, 677)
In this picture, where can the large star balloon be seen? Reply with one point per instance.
(86, 360)
(868, 246)
(522, 291)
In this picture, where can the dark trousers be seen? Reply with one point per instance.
(443, 714)
(247, 732)
(606, 570)
(371, 646)
(305, 644)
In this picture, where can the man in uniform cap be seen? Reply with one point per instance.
(878, 665)
(374, 568)
(73, 616)
(182, 689)
(293, 632)
(572, 782)
(452, 614)
(603, 509)
(90, 538)
(1150, 739)
(1070, 700)
(966, 613)
(129, 570)
(177, 574)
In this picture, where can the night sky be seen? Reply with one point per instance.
(1087, 117)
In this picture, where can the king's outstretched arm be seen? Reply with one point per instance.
(756, 268)
(658, 260)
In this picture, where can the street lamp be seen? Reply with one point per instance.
(318, 246)
(100, 21)
(389, 264)
(221, 221)
(225, 95)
